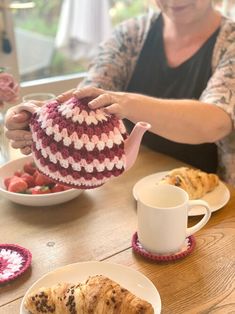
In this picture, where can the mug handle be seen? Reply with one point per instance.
(205, 218)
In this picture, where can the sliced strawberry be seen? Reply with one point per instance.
(40, 190)
(35, 174)
(18, 173)
(28, 179)
(7, 181)
(40, 179)
(57, 188)
(17, 185)
(67, 188)
(30, 167)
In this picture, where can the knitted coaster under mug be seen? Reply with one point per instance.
(188, 247)
(14, 261)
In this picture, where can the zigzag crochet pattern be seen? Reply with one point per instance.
(77, 146)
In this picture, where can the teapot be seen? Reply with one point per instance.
(81, 147)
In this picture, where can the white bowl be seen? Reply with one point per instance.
(8, 170)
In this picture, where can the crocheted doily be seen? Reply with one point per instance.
(14, 261)
(77, 146)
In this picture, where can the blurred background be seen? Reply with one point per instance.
(47, 39)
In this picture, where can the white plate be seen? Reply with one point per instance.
(127, 277)
(8, 169)
(216, 199)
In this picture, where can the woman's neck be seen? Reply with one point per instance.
(198, 29)
(182, 41)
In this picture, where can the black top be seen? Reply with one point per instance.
(152, 76)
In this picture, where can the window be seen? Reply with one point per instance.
(48, 35)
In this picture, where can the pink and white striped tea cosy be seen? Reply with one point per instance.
(77, 146)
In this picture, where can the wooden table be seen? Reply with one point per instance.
(99, 224)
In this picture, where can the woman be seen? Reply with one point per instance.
(175, 70)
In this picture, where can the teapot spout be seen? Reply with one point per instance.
(132, 143)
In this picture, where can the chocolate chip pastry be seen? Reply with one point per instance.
(99, 295)
(194, 181)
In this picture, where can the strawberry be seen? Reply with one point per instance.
(28, 179)
(67, 188)
(30, 167)
(35, 174)
(57, 188)
(18, 173)
(40, 179)
(40, 190)
(17, 185)
(7, 181)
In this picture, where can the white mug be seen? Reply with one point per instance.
(162, 213)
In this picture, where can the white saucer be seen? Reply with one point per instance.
(216, 199)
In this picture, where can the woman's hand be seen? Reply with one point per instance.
(112, 102)
(17, 125)
(65, 96)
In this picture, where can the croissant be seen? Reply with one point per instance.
(99, 295)
(194, 181)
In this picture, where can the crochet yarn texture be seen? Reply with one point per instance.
(77, 146)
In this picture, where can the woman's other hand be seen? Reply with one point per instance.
(17, 125)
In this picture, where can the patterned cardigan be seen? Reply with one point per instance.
(115, 61)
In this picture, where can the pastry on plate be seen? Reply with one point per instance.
(194, 181)
(98, 295)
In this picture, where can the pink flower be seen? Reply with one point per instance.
(9, 88)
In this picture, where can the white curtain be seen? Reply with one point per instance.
(82, 26)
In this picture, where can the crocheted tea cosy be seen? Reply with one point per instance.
(77, 146)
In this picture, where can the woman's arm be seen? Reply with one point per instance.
(184, 121)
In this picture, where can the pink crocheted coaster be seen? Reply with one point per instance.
(186, 250)
(14, 261)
